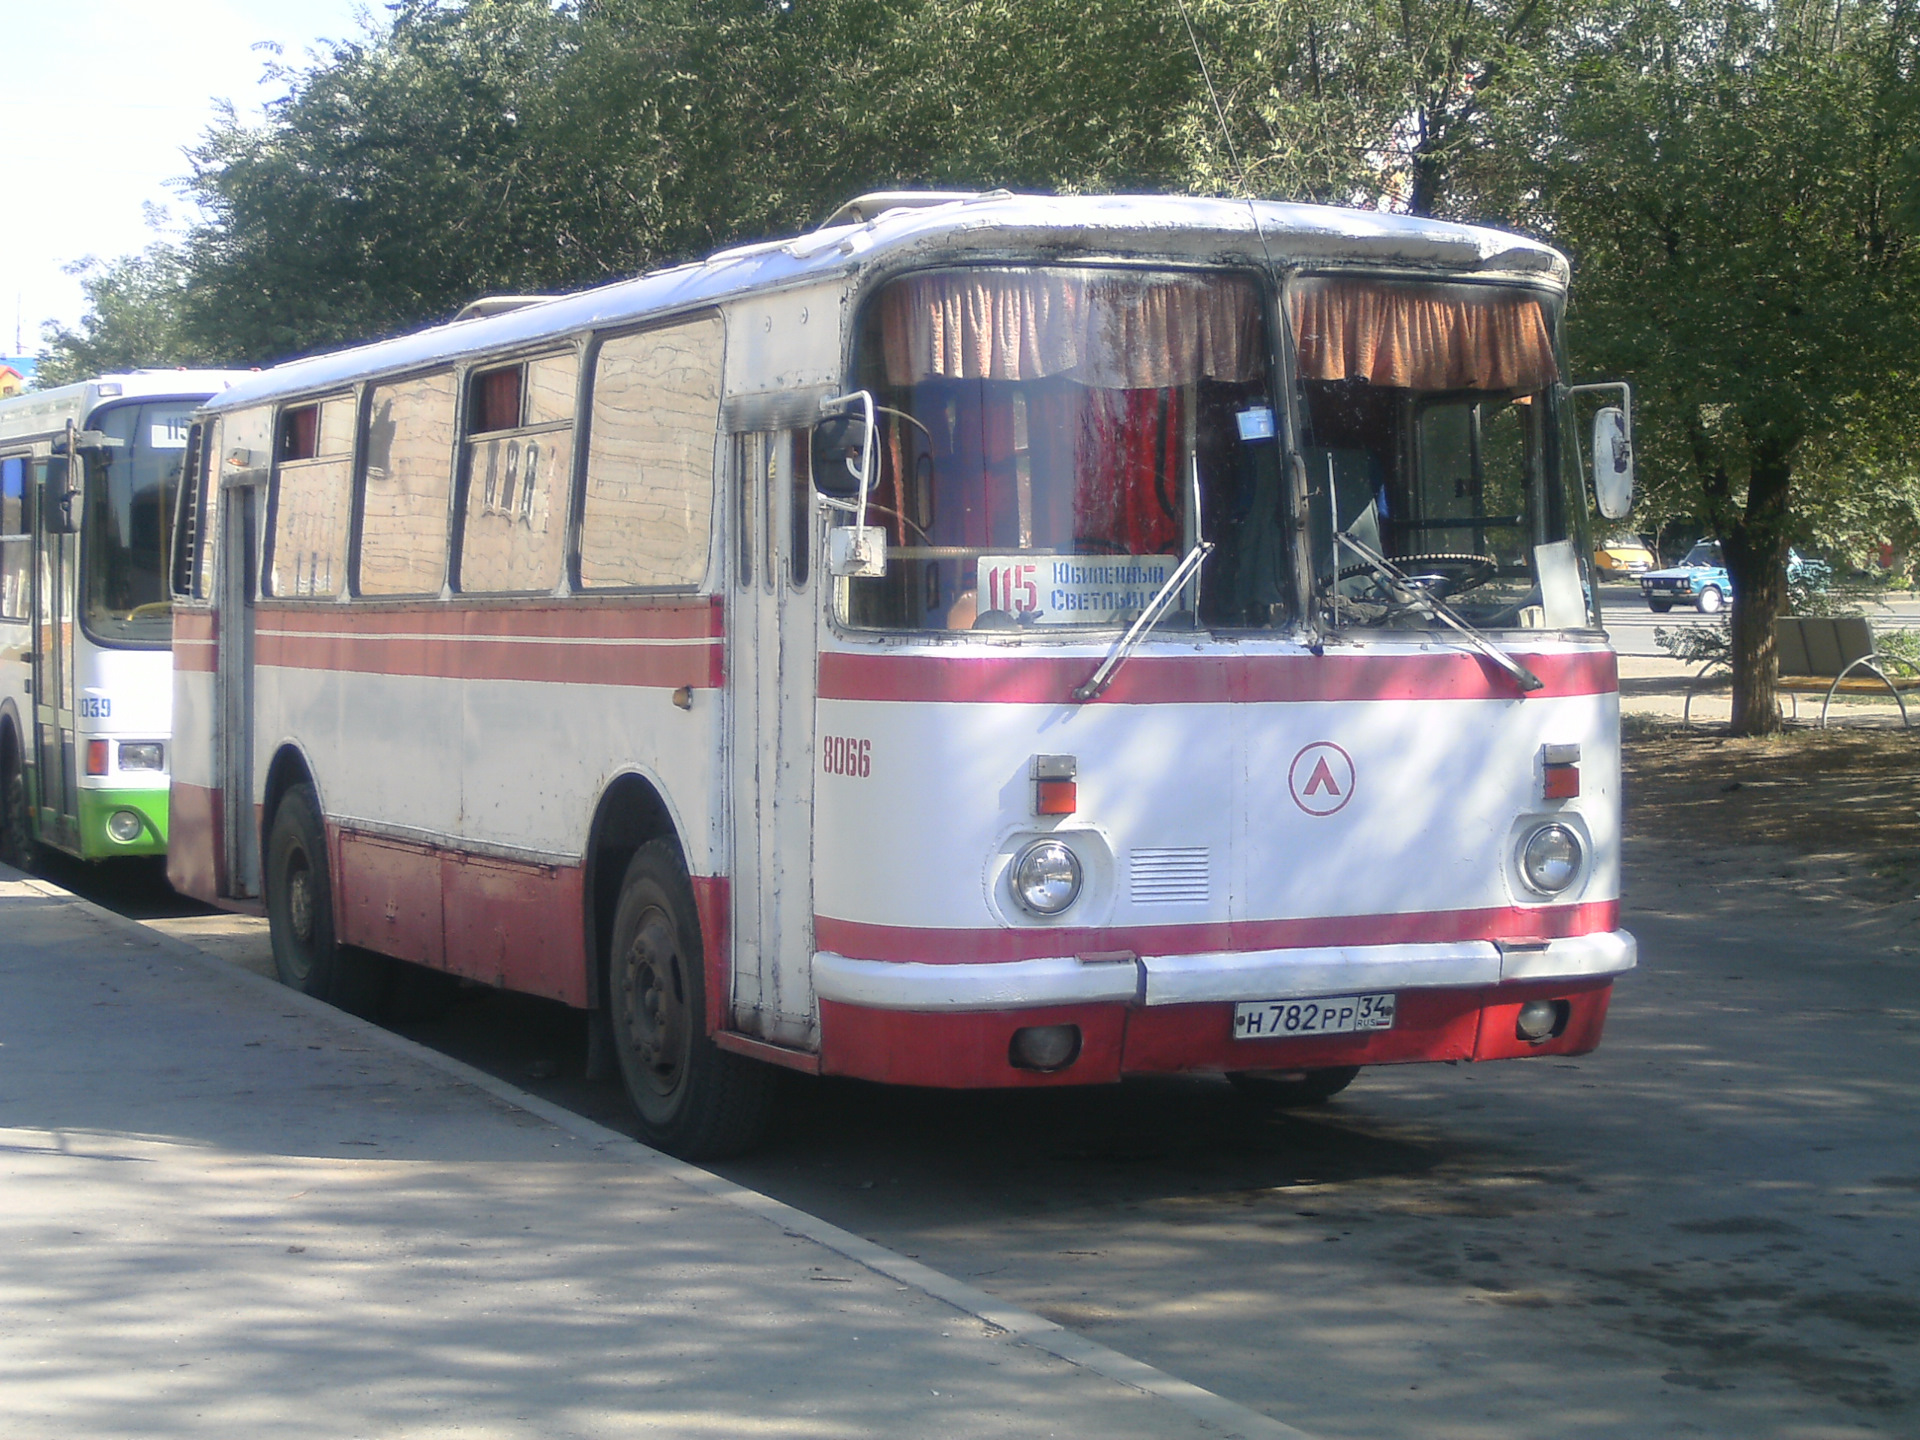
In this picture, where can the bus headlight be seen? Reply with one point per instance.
(1046, 877)
(1550, 859)
(142, 755)
(125, 826)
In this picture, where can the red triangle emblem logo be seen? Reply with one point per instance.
(1322, 779)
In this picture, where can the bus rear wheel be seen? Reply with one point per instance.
(694, 1099)
(1287, 1089)
(306, 954)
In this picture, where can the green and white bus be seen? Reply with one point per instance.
(87, 480)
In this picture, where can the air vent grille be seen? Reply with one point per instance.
(1177, 875)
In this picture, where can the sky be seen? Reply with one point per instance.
(102, 99)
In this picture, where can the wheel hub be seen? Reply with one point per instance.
(655, 1017)
(300, 904)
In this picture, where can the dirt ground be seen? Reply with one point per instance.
(1845, 802)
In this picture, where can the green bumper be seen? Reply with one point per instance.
(96, 806)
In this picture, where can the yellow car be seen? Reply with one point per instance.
(1621, 556)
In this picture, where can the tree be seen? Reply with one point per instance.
(1382, 103)
(391, 183)
(1737, 181)
(134, 319)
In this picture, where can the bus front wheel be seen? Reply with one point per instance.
(694, 1099)
(306, 953)
(16, 835)
(1285, 1089)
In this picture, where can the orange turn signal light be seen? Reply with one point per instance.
(1560, 782)
(1055, 797)
(96, 757)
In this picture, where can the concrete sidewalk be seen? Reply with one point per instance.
(226, 1210)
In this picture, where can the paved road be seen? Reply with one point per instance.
(1631, 623)
(227, 1212)
(1706, 1228)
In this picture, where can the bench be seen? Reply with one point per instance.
(1825, 655)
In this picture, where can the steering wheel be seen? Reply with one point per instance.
(1444, 574)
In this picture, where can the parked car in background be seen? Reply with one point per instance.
(1623, 554)
(1701, 579)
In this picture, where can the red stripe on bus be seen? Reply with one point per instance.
(1212, 679)
(954, 946)
(447, 658)
(194, 640)
(698, 618)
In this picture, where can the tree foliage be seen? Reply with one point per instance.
(134, 320)
(1736, 182)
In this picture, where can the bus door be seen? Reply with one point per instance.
(56, 544)
(236, 582)
(771, 677)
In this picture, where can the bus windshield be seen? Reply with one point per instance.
(129, 507)
(1055, 439)
(1430, 426)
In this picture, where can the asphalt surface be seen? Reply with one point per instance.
(227, 1211)
(1706, 1228)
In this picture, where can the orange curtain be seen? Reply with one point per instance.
(1114, 329)
(1422, 337)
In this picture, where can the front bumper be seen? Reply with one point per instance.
(953, 1026)
(1231, 976)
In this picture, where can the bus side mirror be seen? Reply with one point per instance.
(1612, 464)
(844, 458)
(839, 456)
(59, 503)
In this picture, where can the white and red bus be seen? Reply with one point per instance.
(990, 641)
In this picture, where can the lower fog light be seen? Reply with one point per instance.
(125, 826)
(1541, 1020)
(1044, 1047)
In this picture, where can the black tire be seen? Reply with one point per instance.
(306, 953)
(1287, 1090)
(1660, 607)
(1711, 600)
(694, 1099)
(17, 845)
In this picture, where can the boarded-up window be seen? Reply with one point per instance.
(312, 485)
(409, 476)
(648, 514)
(518, 475)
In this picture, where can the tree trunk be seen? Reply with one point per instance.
(1756, 553)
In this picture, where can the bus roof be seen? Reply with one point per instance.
(46, 412)
(909, 231)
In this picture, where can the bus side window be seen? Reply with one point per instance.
(15, 545)
(518, 466)
(406, 487)
(647, 509)
(312, 486)
(188, 504)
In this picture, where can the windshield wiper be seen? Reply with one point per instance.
(1123, 647)
(1408, 591)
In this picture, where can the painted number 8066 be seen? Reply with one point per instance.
(844, 755)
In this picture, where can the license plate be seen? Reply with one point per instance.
(1321, 1015)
